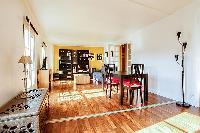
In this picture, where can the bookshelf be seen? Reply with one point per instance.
(83, 61)
(72, 62)
(65, 63)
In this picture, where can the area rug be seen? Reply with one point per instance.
(181, 123)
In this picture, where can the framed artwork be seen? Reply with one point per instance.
(99, 57)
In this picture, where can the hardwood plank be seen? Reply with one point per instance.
(93, 102)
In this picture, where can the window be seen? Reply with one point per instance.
(29, 41)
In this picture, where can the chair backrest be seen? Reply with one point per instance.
(109, 69)
(137, 71)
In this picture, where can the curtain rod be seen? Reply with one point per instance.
(44, 44)
(27, 19)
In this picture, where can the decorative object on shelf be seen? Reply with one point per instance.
(112, 54)
(43, 57)
(44, 64)
(183, 45)
(91, 56)
(106, 54)
(25, 60)
(99, 57)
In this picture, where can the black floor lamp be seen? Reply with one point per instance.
(183, 44)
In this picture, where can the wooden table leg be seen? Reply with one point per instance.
(146, 87)
(121, 97)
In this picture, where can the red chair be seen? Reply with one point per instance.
(113, 69)
(111, 81)
(135, 82)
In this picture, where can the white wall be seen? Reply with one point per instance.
(12, 47)
(156, 45)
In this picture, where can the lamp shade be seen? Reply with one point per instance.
(25, 60)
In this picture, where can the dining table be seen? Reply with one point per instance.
(122, 75)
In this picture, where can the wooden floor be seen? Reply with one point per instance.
(78, 100)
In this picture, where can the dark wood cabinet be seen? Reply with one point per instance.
(65, 63)
(73, 61)
(83, 61)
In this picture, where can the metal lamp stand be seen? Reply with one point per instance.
(25, 83)
(25, 78)
(184, 44)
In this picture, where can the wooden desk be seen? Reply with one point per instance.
(121, 76)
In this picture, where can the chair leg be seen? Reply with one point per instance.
(131, 96)
(106, 88)
(127, 93)
(110, 91)
(117, 88)
(103, 86)
(141, 96)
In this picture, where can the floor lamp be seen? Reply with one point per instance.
(25, 60)
(183, 45)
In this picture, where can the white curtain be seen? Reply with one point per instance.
(29, 42)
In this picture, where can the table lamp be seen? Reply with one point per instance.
(25, 60)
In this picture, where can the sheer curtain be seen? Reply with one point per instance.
(43, 55)
(29, 41)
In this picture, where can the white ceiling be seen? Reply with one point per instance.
(98, 21)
